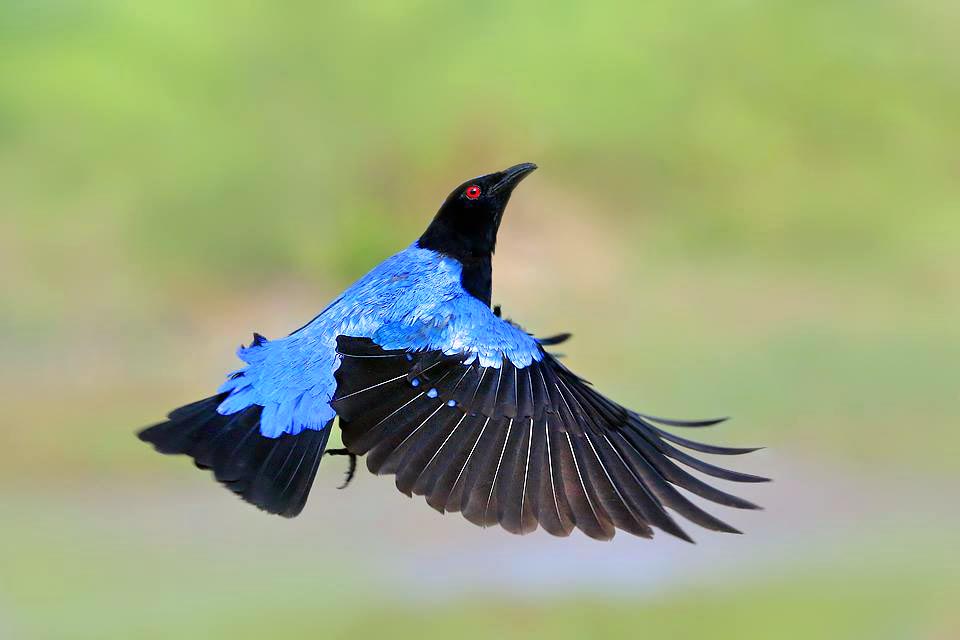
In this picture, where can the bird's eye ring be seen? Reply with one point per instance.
(472, 192)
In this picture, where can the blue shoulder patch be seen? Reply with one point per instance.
(467, 326)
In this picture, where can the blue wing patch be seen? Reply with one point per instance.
(412, 301)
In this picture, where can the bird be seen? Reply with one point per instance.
(431, 384)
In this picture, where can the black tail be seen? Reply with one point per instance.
(275, 474)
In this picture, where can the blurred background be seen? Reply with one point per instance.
(745, 208)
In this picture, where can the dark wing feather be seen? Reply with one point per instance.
(275, 474)
(515, 508)
(550, 507)
(521, 447)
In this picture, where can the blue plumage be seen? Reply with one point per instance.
(413, 300)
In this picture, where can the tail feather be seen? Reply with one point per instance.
(275, 474)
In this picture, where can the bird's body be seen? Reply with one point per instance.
(463, 407)
(413, 300)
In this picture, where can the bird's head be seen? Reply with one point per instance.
(466, 224)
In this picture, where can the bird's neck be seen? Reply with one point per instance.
(473, 252)
(477, 277)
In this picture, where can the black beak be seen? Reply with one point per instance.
(511, 177)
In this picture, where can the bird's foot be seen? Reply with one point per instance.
(351, 470)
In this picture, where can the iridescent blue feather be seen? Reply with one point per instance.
(413, 300)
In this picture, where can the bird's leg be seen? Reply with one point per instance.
(351, 470)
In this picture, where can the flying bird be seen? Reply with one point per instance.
(462, 406)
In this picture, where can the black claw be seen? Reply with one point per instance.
(351, 470)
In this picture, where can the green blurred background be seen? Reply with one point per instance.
(743, 207)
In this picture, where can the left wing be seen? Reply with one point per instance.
(520, 446)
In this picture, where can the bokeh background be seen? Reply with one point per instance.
(743, 207)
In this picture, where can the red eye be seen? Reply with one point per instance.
(472, 192)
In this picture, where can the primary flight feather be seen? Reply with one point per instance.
(462, 406)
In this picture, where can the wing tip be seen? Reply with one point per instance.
(685, 537)
(708, 422)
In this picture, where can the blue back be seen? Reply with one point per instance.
(412, 300)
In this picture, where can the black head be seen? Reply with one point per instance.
(466, 225)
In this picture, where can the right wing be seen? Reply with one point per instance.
(520, 446)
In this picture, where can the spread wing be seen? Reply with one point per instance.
(521, 446)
